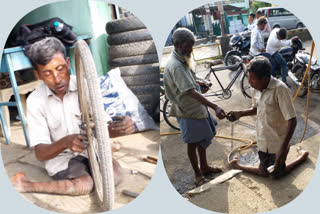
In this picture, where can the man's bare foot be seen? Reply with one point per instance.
(19, 181)
(208, 170)
(234, 163)
(302, 153)
(117, 172)
(115, 146)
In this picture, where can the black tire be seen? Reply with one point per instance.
(132, 49)
(135, 70)
(152, 88)
(129, 36)
(171, 121)
(148, 103)
(300, 25)
(141, 79)
(298, 71)
(148, 95)
(99, 149)
(229, 59)
(134, 60)
(245, 86)
(124, 24)
(156, 113)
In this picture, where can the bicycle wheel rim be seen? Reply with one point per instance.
(171, 121)
(245, 86)
(99, 150)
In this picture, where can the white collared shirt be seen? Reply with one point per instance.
(274, 44)
(274, 109)
(257, 42)
(251, 26)
(50, 119)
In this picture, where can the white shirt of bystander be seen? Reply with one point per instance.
(274, 44)
(257, 42)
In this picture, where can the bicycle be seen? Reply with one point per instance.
(224, 93)
(94, 125)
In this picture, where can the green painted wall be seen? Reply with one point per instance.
(86, 17)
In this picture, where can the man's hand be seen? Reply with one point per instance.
(204, 89)
(263, 50)
(233, 115)
(75, 142)
(220, 113)
(122, 125)
(203, 86)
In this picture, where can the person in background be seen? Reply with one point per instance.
(276, 41)
(267, 29)
(252, 22)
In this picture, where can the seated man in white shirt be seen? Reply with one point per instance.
(276, 41)
(53, 122)
(276, 121)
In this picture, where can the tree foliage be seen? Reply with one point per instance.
(258, 4)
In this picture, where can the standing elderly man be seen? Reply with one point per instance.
(276, 121)
(53, 122)
(198, 127)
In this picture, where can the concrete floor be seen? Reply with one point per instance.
(244, 193)
(18, 158)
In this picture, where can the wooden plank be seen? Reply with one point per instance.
(222, 178)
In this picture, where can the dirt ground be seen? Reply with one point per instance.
(244, 193)
(18, 158)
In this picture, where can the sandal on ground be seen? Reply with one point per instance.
(200, 181)
(213, 169)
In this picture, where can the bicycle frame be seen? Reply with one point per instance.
(225, 92)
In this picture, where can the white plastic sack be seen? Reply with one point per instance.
(118, 99)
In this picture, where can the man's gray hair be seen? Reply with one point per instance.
(41, 52)
(182, 35)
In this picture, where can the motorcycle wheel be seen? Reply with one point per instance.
(229, 59)
(298, 71)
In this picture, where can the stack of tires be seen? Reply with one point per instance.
(132, 49)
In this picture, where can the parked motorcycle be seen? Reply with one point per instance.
(241, 46)
(298, 71)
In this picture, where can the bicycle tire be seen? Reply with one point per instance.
(99, 149)
(245, 87)
(166, 116)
